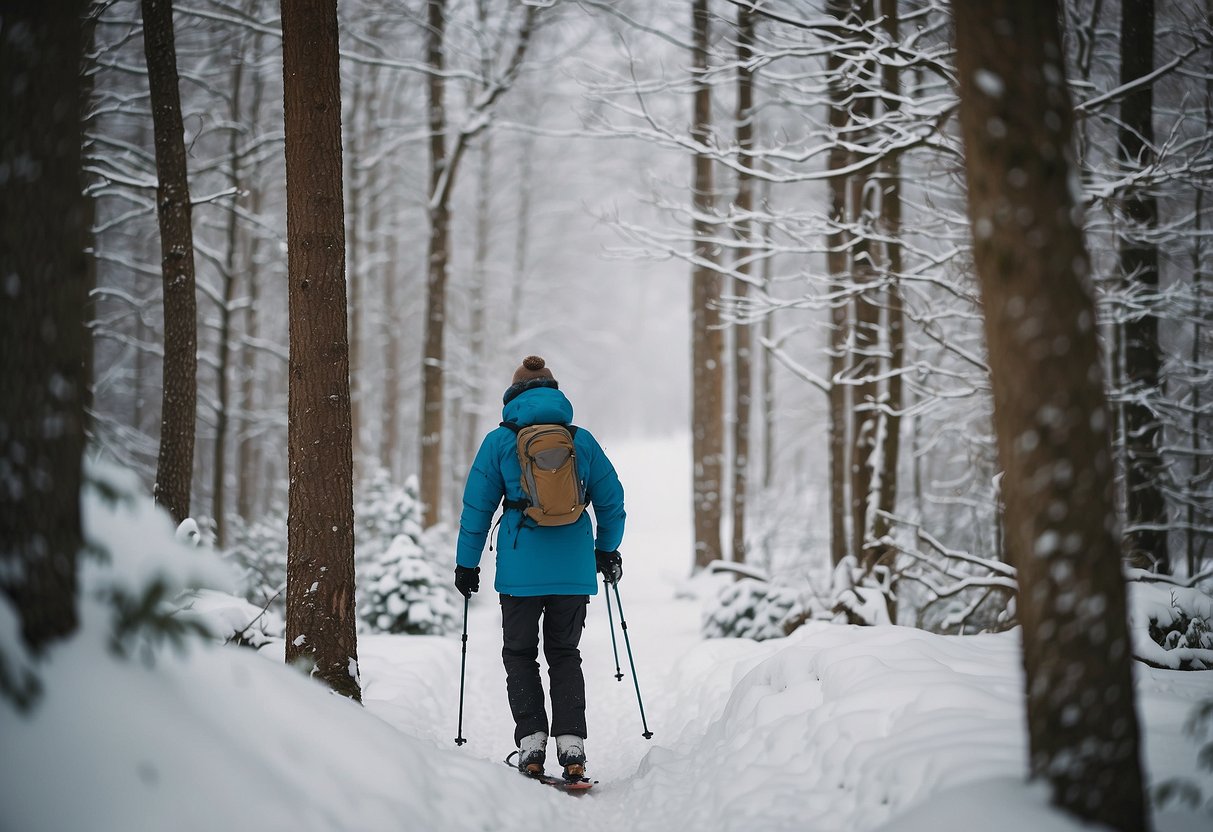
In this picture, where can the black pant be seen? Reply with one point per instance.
(563, 621)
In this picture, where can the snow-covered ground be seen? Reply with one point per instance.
(834, 728)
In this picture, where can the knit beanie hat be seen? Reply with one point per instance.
(532, 368)
(533, 373)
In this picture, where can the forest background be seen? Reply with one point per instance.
(899, 411)
(835, 301)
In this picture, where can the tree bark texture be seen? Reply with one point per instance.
(743, 338)
(865, 416)
(1146, 531)
(433, 381)
(836, 264)
(890, 230)
(178, 415)
(768, 361)
(223, 361)
(248, 450)
(42, 337)
(707, 348)
(320, 618)
(358, 119)
(1050, 409)
(389, 450)
(92, 15)
(478, 299)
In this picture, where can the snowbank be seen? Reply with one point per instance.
(221, 738)
(185, 734)
(844, 727)
(833, 728)
(981, 805)
(851, 728)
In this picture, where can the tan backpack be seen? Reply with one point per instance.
(555, 493)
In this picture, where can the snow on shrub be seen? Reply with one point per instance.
(258, 550)
(138, 567)
(751, 608)
(403, 576)
(382, 512)
(1171, 625)
(234, 620)
(401, 571)
(406, 593)
(859, 596)
(135, 574)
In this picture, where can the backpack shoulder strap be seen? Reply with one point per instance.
(517, 428)
(506, 502)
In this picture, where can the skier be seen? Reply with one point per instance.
(547, 555)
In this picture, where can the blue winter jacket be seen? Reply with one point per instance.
(535, 560)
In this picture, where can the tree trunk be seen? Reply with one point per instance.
(354, 257)
(320, 619)
(389, 452)
(743, 338)
(865, 346)
(87, 87)
(707, 352)
(248, 450)
(178, 416)
(41, 320)
(433, 381)
(768, 362)
(1146, 530)
(223, 362)
(1193, 556)
(890, 228)
(478, 301)
(1050, 410)
(392, 325)
(836, 265)
(522, 236)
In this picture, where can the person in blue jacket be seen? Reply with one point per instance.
(543, 572)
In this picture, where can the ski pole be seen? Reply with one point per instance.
(606, 591)
(463, 663)
(623, 625)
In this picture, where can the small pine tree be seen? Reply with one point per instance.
(258, 549)
(755, 609)
(402, 586)
(383, 512)
(405, 593)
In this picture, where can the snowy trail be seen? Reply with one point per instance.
(834, 728)
(662, 629)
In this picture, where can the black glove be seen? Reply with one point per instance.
(467, 580)
(610, 564)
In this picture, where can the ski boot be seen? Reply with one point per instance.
(570, 753)
(531, 753)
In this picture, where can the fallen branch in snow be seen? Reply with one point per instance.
(740, 569)
(239, 636)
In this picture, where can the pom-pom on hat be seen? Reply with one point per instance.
(533, 367)
(533, 373)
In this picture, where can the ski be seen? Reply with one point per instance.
(567, 786)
